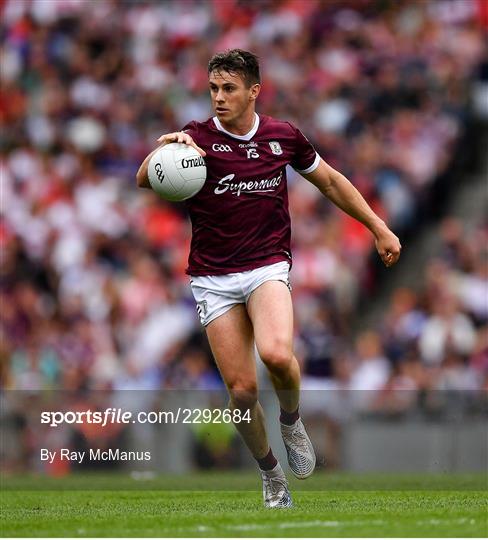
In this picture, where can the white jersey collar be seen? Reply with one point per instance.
(247, 137)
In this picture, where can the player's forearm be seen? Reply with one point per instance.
(141, 175)
(338, 189)
(344, 195)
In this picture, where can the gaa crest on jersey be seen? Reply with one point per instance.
(276, 148)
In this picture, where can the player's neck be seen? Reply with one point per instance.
(242, 125)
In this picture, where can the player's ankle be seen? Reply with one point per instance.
(289, 418)
(268, 462)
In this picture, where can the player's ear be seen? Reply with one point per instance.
(255, 89)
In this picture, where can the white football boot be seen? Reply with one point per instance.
(301, 455)
(275, 488)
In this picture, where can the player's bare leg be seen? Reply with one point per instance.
(232, 342)
(271, 313)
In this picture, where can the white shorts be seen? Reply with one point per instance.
(215, 295)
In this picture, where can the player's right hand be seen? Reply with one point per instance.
(180, 137)
(388, 247)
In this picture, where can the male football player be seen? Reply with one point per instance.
(240, 253)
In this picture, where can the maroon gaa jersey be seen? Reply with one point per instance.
(240, 219)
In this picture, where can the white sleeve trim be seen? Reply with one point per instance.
(312, 167)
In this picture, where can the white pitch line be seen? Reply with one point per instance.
(318, 523)
(283, 525)
(301, 524)
(436, 521)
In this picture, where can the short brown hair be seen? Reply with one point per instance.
(238, 61)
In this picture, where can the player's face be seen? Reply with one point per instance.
(231, 98)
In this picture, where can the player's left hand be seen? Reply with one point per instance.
(388, 247)
(181, 137)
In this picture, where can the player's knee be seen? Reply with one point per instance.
(243, 395)
(277, 357)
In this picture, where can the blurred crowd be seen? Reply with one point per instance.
(430, 340)
(93, 289)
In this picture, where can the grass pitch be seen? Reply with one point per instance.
(383, 506)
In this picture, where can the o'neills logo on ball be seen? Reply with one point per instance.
(192, 162)
(247, 186)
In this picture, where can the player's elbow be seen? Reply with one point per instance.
(142, 180)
